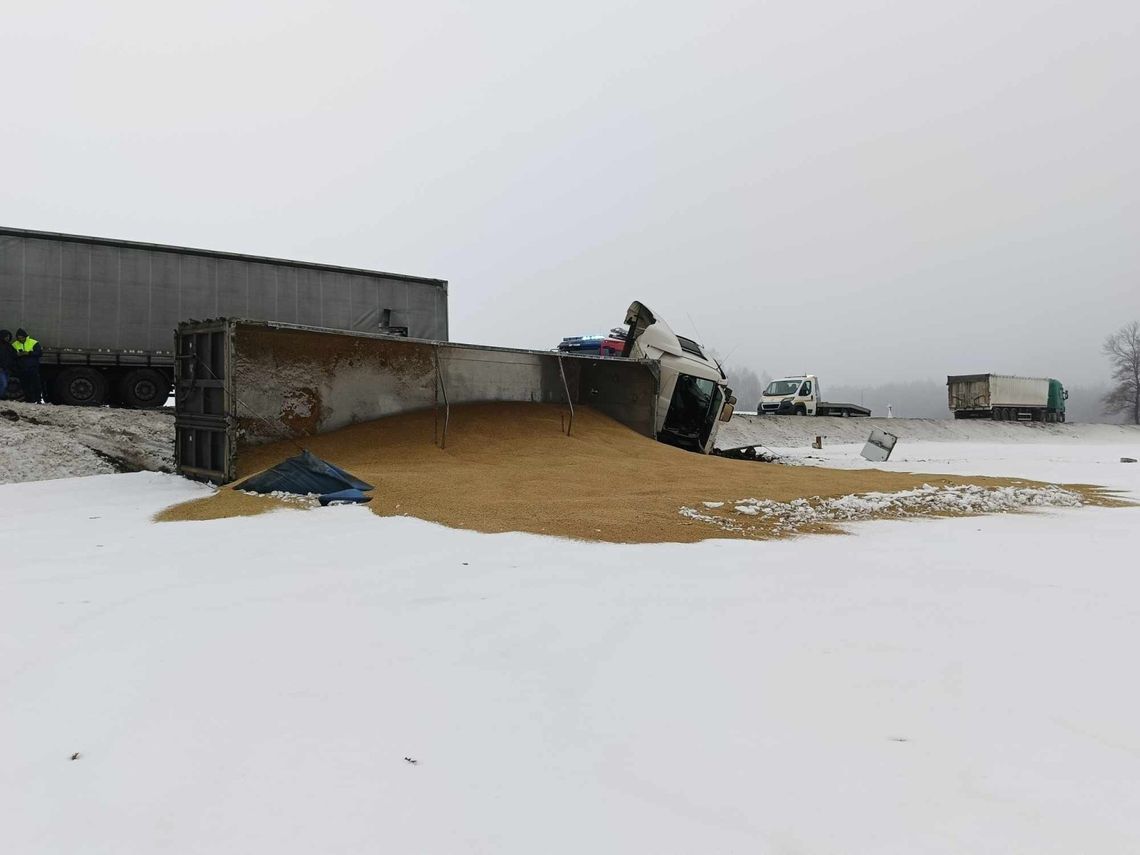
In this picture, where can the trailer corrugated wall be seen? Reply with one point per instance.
(82, 293)
(1009, 391)
(241, 383)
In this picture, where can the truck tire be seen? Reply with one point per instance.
(80, 387)
(800, 410)
(143, 389)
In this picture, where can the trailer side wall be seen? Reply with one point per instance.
(1009, 391)
(245, 383)
(76, 293)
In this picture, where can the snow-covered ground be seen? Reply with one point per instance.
(794, 431)
(41, 441)
(333, 681)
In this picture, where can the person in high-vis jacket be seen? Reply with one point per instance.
(28, 353)
(7, 362)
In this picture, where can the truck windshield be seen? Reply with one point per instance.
(692, 412)
(782, 387)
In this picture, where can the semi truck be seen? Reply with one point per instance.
(800, 395)
(105, 311)
(693, 396)
(1005, 397)
(243, 383)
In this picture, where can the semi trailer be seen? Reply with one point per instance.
(1005, 397)
(800, 396)
(105, 311)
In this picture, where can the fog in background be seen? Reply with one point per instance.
(876, 192)
(909, 399)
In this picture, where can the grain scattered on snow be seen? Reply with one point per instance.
(926, 500)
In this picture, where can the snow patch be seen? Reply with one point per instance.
(40, 442)
(308, 500)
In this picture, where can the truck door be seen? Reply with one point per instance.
(693, 413)
(807, 397)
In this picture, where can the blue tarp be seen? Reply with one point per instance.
(344, 497)
(305, 474)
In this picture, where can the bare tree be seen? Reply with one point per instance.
(1123, 350)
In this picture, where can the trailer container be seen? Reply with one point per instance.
(1006, 397)
(105, 310)
(244, 383)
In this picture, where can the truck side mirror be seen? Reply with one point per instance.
(727, 409)
(1066, 395)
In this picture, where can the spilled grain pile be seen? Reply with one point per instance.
(510, 467)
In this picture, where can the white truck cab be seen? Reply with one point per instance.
(693, 395)
(790, 396)
(800, 396)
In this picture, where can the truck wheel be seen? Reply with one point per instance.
(80, 387)
(800, 410)
(144, 389)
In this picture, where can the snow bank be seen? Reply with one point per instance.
(925, 501)
(255, 685)
(796, 431)
(43, 441)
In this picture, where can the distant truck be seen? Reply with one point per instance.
(105, 310)
(800, 396)
(1004, 397)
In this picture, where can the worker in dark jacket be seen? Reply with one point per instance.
(7, 362)
(28, 353)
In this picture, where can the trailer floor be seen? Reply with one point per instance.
(510, 467)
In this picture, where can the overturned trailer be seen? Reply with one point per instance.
(240, 383)
(244, 383)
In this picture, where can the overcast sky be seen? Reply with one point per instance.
(867, 190)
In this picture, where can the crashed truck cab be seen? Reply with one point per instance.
(693, 395)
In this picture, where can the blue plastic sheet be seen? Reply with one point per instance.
(345, 497)
(303, 475)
